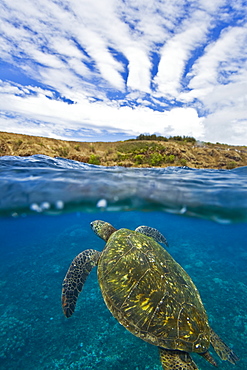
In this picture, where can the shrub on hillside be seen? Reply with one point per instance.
(156, 159)
(94, 159)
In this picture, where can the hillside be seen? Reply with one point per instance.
(138, 153)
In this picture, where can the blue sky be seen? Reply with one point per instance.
(94, 70)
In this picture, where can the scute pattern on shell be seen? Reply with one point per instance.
(150, 294)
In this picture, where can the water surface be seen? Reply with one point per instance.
(46, 207)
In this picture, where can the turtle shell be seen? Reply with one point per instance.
(150, 294)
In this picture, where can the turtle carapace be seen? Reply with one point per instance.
(149, 293)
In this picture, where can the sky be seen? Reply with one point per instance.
(107, 70)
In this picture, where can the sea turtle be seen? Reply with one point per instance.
(149, 293)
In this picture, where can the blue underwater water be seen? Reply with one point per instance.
(46, 206)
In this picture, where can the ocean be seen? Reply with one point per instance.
(46, 207)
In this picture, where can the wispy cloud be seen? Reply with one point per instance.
(178, 50)
(57, 117)
(127, 66)
(222, 61)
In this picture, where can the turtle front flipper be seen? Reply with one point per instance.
(173, 360)
(152, 233)
(222, 350)
(75, 278)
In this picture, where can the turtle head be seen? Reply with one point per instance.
(102, 229)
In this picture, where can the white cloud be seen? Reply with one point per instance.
(57, 114)
(226, 126)
(177, 51)
(219, 57)
(87, 50)
(219, 81)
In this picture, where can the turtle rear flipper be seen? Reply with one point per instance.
(222, 350)
(173, 360)
(75, 278)
(152, 233)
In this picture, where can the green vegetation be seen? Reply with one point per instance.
(151, 137)
(171, 158)
(140, 148)
(231, 165)
(144, 151)
(151, 154)
(183, 162)
(94, 159)
(187, 139)
(139, 159)
(156, 159)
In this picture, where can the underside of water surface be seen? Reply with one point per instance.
(46, 185)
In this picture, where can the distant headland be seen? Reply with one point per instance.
(144, 151)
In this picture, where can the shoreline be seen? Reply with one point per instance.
(129, 153)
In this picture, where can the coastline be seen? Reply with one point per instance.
(130, 153)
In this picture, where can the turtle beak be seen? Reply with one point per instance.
(93, 225)
(96, 226)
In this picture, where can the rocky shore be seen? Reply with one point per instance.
(130, 153)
